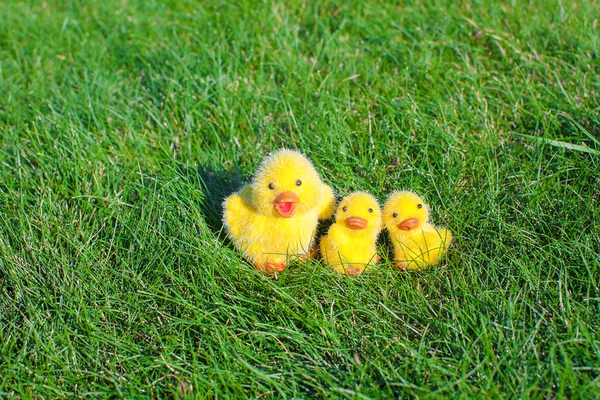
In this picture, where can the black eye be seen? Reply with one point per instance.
(345, 209)
(419, 205)
(272, 186)
(370, 210)
(298, 182)
(395, 215)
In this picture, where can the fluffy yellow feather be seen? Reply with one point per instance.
(349, 246)
(417, 244)
(275, 216)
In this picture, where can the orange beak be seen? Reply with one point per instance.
(408, 224)
(356, 223)
(285, 203)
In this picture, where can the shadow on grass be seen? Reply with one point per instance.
(216, 185)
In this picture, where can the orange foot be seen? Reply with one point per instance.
(313, 251)
(270, 267)
(350, 271)
(401, 266)
(376, 259)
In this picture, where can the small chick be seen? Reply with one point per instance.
(349, 246)
(276, 215)
(417, 244)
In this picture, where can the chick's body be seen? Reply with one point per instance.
(417, 244)
(350, 244)
(276, 215)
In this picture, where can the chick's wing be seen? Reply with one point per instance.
(327, 203)
(237, 209)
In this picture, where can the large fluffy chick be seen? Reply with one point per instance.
(275, 217)
(349, 246)
(417, 244)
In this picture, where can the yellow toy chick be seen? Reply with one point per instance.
(417, 244)
(349, 246)
(275, 216)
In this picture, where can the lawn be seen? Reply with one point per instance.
(124, 124)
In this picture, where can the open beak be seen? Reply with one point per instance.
(285, 203)
(356, 223)
(408, 224)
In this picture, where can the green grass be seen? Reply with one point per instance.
(124, 124)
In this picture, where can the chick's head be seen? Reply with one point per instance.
(286, 184)
(359, 211)
(404, 211)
